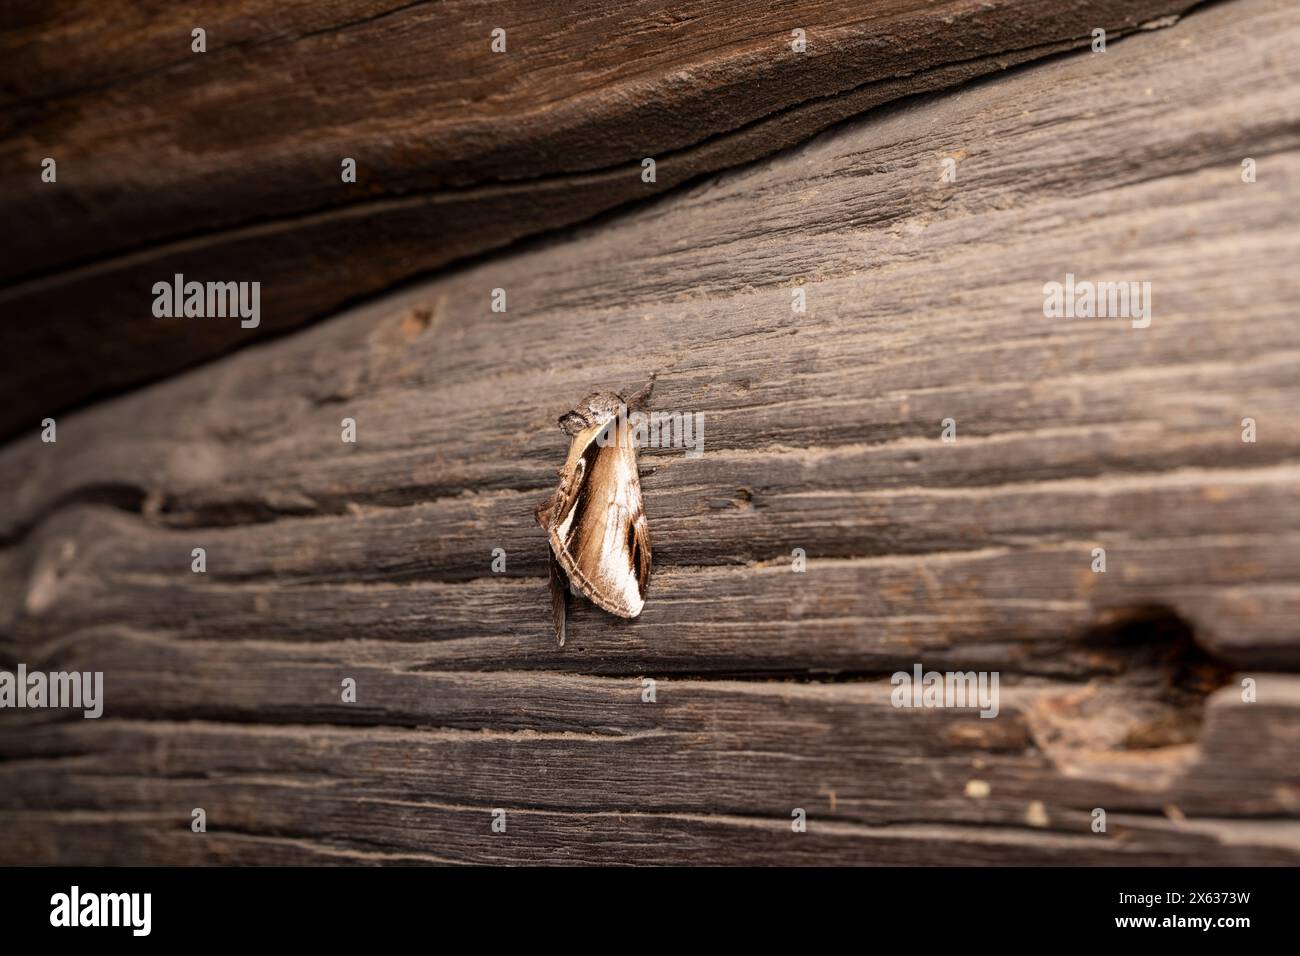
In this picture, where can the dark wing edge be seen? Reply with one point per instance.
(641, 552)
(559, 585)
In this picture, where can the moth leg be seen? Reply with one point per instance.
(558, 597)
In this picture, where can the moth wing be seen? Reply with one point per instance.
(602, 541)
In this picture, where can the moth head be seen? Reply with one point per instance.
(596, 409)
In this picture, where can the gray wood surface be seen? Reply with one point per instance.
(327, 560)
(225, 165)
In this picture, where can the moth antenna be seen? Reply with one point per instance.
(643, 394)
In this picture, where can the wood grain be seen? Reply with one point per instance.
(327, 560)
(226, 165)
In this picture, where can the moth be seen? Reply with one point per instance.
(595, 522)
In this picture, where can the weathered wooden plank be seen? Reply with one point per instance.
(267, 423)
(630, 838)
(226, 165)
(371, 560)
(821, 431)
(1001, 583)
(707, 760)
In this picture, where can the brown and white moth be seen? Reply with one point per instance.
(599, 537)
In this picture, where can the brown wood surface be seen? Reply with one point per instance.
(224, 166)
(326, 560)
